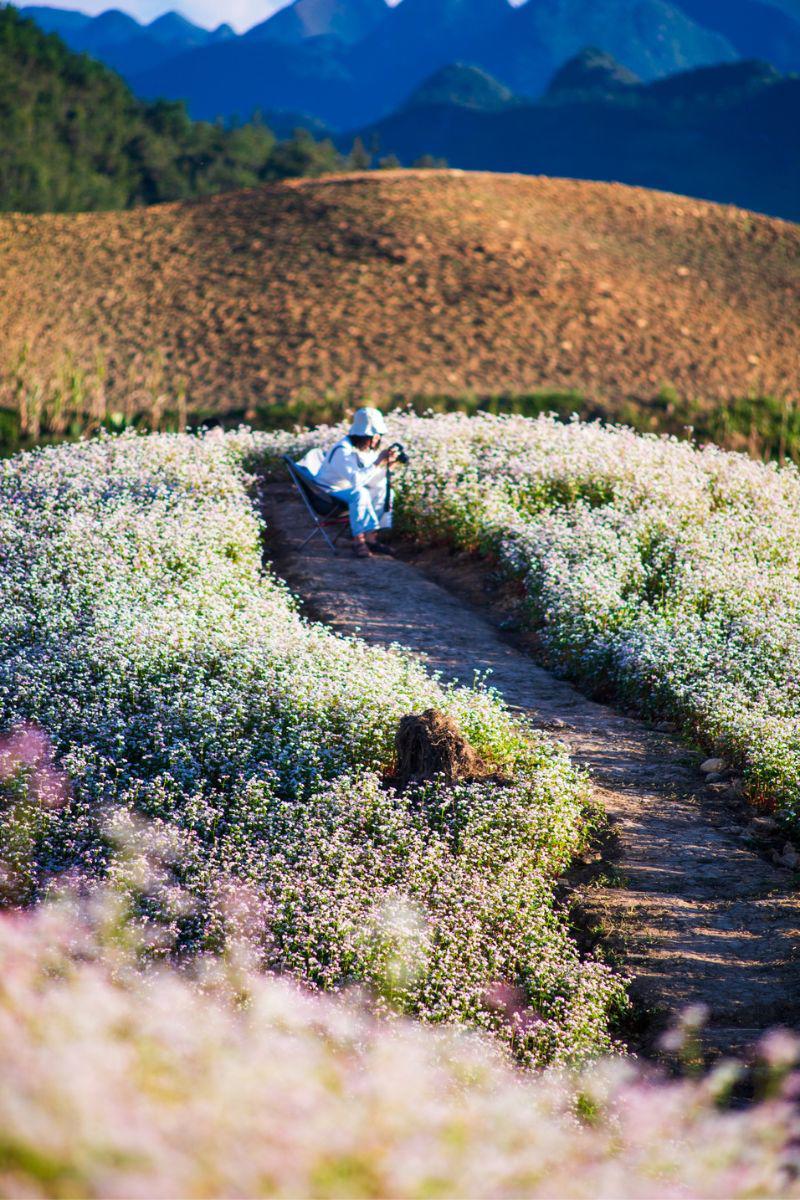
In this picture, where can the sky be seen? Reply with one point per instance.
(241, 14)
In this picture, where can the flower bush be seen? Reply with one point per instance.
(669, 573)
(193, 781)
(224, 1081)
(179, 685)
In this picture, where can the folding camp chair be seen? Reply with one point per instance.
(325, 510)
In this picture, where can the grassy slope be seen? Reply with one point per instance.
(406, 283)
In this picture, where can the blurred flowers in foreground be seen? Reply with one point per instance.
(30, 785)
(223, 1081)
(129, 1071)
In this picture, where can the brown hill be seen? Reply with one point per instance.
(402, 282)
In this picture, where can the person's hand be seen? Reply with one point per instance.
(388, 456)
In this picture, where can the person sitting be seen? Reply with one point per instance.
(355, 470)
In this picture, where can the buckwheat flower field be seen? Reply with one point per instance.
(669, 573)
(235, 960)
(179, 685)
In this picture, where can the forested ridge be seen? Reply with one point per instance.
(74, 137)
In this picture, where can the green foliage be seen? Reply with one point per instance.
(429, 162)
(767, 427)
(311, 409)
(303, 155)
(360, 158)
(73, 137)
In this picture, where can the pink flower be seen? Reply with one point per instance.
(24, 746)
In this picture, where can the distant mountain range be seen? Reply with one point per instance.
(727, 133)
(348, 63)
(689, 96)
(122, 42)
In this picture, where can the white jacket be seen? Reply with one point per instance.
(345, 468)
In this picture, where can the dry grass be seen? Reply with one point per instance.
(406, 282)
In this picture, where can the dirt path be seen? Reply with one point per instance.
(700, 912)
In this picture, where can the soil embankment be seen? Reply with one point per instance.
(399, 283)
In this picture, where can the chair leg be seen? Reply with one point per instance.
(332, 545)
(319, 528)
(310, 538)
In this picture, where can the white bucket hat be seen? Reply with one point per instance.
(368, 422)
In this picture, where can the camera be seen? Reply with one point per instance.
(402, 457)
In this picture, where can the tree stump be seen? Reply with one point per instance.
(431, 745)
